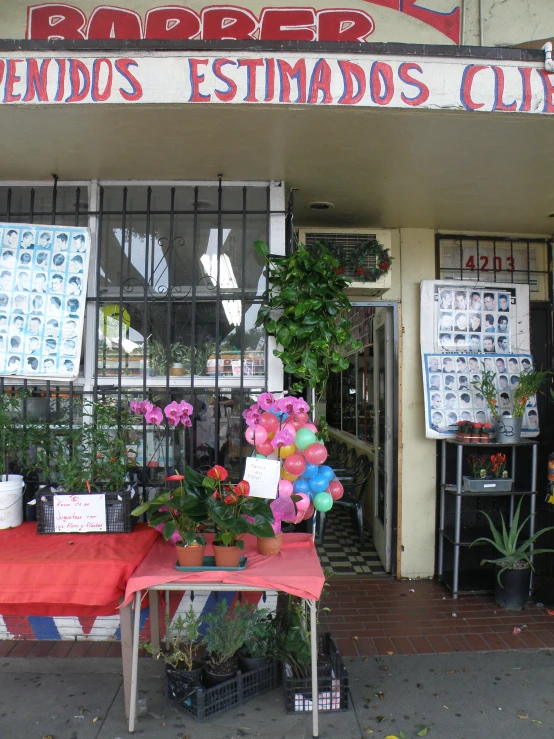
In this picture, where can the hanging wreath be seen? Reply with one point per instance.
(355, 262)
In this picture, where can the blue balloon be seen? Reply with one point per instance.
(327, 472)
(318, 484)
(310, 471)
(301, 486)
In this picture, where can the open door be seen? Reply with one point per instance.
(383, 434)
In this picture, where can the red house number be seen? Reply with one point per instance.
(470, 264)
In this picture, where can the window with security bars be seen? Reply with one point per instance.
(503, 260)
(348, 243)
(175, 286)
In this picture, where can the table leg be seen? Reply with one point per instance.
(134, 664)
(126, 627)
(154, 602)
(167, 618)
(315, 696)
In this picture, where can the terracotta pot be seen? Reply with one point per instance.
(484, 439)
(475, 438)
(190, 556)
(227, 556)
(270, 546)
(177, 370)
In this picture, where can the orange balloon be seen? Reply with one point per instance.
(286, 451)
(287, 476)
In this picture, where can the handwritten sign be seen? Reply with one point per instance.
(79, 513)
(263, 476)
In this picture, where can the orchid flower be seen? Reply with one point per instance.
(282, 438)
(266, 401)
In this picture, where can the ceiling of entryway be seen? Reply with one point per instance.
(382, 168)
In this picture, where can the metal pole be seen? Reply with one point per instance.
(533, 506)
(441, 513)
(315, 697)
(134, 665)
(457, 523)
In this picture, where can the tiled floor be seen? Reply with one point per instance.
(420, 617)
(342, 550)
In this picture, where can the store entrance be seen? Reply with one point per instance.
(361, 406)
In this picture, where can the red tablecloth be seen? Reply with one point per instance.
(296, 569)
(67, 574)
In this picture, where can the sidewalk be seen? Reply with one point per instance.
(500, 695)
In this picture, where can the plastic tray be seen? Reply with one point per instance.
(209, 565)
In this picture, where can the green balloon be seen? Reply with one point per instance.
(323, 502)
(260, 456)
(303, 438)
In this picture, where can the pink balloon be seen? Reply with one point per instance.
(309, 512)
(303, 418)
(293, 422)
(299, 517)
(266, 449)
(304, 503)
(256, 434)
(336, 489)
(295, 464)
(315, 454)
(285, 487)
(311, 427)
(270, 422)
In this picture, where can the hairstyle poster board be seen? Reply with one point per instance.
(467, 328)
(43, 284)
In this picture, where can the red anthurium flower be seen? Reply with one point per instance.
(243, 488)
(174, 478)
(216, 494)
(218, 473)
(230, 499)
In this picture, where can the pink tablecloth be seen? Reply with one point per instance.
(295, 570)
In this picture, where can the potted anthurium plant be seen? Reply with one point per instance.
(514, 565)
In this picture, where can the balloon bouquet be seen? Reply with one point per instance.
(282, 429)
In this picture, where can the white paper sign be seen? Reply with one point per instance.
(263, 476)
(80, 513)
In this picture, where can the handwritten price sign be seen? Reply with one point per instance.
(79, 513)
(263, 476)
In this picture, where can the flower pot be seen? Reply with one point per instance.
(194, 675)
(227, 556)
(176, 370)
(270, 546)
(508, 430)
(484, 439)
(247, 664)
(487, 484)
(190, 556)
(214, 675)
(475, 438)
(515, 593)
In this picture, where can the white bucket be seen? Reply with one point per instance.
(11, 501)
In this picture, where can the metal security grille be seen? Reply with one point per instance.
(174, 280)
(496, 259)
(348, 243)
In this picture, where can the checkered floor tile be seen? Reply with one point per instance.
(342, 550)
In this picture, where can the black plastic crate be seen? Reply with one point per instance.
(332, 687)
(203, 703)
(118, 511)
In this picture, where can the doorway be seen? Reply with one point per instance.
(361, 408)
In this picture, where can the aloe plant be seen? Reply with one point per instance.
(507, 543)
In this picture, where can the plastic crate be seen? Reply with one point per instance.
(203, 703)
(332, 688)
(118, 512)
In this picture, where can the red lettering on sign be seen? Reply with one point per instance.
(122, 66)
(548, 91)
(96, 95)
(287, 24)
(382, 83)
(80, 81)
(404, 74)
(106, 23)
(195, 79)
(321, 82)
(229, 94)
(172, 22)
(11, 79)
(288, 73)
(37, 80)
(55, 21)
(344, 25)
(467, 82)
(525, 73)
(269, 80)
(2, 70)
(61, 80)
(352, 72)
(499, 92)
(251, 65)
(227, 22)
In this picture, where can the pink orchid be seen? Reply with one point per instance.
(282, 438)
(173, 413)
(140, 406)
(252, 418)
(300, 406)
(285, 405)
(254, 408)
(154, 415)
(185, 420)
(185, 408)
(266, 401)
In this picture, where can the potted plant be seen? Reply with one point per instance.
(258, 648)
(487, 387)
(181, 653)
(180, 513)
(226, 632)
(508, 428)
(485, 431)
(464, 431)
(514, 564)
(180, 356)
(488, 473)
(475, 435)
(234, 514)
